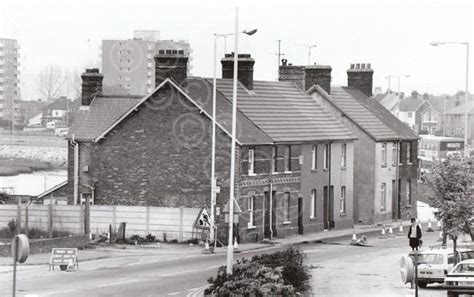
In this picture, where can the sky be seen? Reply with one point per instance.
(394, 36)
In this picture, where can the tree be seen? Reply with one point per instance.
(51, 81)
(451, 185)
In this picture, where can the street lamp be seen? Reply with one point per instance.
(398, 77)
(309, 46)
(213, 157)
(466, 94)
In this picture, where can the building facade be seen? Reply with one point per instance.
(129, 66)
(292, 177)
(9, 79)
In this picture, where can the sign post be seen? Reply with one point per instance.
(20, 251)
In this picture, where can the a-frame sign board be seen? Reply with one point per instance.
(202, 220)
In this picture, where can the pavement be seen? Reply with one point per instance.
(104, 251)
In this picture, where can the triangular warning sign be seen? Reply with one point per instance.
(203, 220)
(237, 209)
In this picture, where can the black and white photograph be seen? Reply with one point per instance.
(236, 148)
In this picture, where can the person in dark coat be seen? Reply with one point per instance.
(414, 234)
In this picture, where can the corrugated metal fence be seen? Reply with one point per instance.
(177, 223)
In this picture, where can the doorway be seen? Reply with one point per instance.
(300, 216)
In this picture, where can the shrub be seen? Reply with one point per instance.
(137, 238)
(279, 273)
(192, 241)
(150, 237)
(12, 225)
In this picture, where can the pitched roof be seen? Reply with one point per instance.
(370, 115)
(410, 105)
(91, 122)
(461, 109)
(286, 113)
(388, 100)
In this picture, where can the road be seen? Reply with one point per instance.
(338, 269)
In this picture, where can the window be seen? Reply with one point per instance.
(408, 191)
(384, 154)
(251, 161)
(383, 197)
(287, 158)
(286, 207)
(313, 203)
(251, 209)
(410, 114)
(409, 160)
(400, 153)
(394, 154)
(275, 159)
(342, 207)
(314, 158)
(326, 156)
(343, 155)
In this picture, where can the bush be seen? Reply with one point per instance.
(137, 238)
(280, 273)
(150, 238)
(12, 225)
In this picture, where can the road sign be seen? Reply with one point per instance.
(63, 256)
(202, 220)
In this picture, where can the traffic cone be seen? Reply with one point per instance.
(430, 228)
(390, 231)
(206, 249)
(440, 238)
(400, 229)
(439, 226)
(354, 235)
(236, 246)
(383, 233)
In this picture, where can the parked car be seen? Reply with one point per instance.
(435, 263)
(460, 280)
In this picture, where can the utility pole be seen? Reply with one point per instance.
(310, 47)
(279, 54)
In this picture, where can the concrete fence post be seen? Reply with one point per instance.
(181, 217)
(50, 219)
(147, 220)
(87, 216)
(18, 217)
(26, 220)
(114, 217)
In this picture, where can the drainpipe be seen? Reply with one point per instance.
(76, 169)
(397, 176)
(271, 208)
(329, 187)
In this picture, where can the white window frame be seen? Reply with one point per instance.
(342, 205)
(408, 191)
(251, 210)
(287, 158)
(251, 161)
(343, 155)
(394, 154)
(384, 154)
(326, 157)
(313, 203)
(314, 157)
(409, 153)
(383, 197)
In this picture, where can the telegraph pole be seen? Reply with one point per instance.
(279, 54)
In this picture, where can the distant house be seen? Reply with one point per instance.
(56, 113)
(455, 121)
(390, 100)
(294, 171)
(385, 162)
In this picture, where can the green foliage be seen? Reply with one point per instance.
(150, 237)
(451, 185)
(281, 273)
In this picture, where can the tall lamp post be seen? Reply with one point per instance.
(213, 158)
(398, 77)
(466, 94)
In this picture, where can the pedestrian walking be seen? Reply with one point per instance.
(414, 235)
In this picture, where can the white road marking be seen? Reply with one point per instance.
(118, 283)
(174, 293)
(312, 251)
(178, 273)
(196, 291)
(215, 266)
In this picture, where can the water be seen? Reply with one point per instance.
(32, 183)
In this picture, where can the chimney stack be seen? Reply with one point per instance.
(244, 70)
(318, 75)
(172, 64)
(414, 95)
(294, 74)
(91, 85)
(359, 76)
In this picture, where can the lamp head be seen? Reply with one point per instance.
(251, 32)
(436, 43)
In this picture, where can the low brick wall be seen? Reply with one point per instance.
(38, 246)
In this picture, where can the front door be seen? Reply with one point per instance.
(266, 217)
(326, 208)
(399, 199)
(300, 215)
(331, 207)
(394, 200)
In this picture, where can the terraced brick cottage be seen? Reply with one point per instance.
(295, 172)
(385, 153)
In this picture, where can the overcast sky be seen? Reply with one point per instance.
(393, 36)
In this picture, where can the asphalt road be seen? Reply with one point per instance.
(338, 269)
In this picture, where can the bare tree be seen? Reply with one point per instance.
(51, 81)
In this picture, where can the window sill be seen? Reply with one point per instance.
(251, 227)
(325, 169)
(409, 163)
(313, 218)
(287, 172)
(383, 209)
(383, 165)
(343, 168)
(252, 174)
(314, 170)
(286, 222)
(408, 206)
(342, 214)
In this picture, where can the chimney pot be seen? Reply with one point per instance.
(352, 66)
(368, 65)
(284, 62)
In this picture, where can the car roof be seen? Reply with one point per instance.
(467, 261)
(444, 251)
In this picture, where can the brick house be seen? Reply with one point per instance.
(294, 172)
(385, 162)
